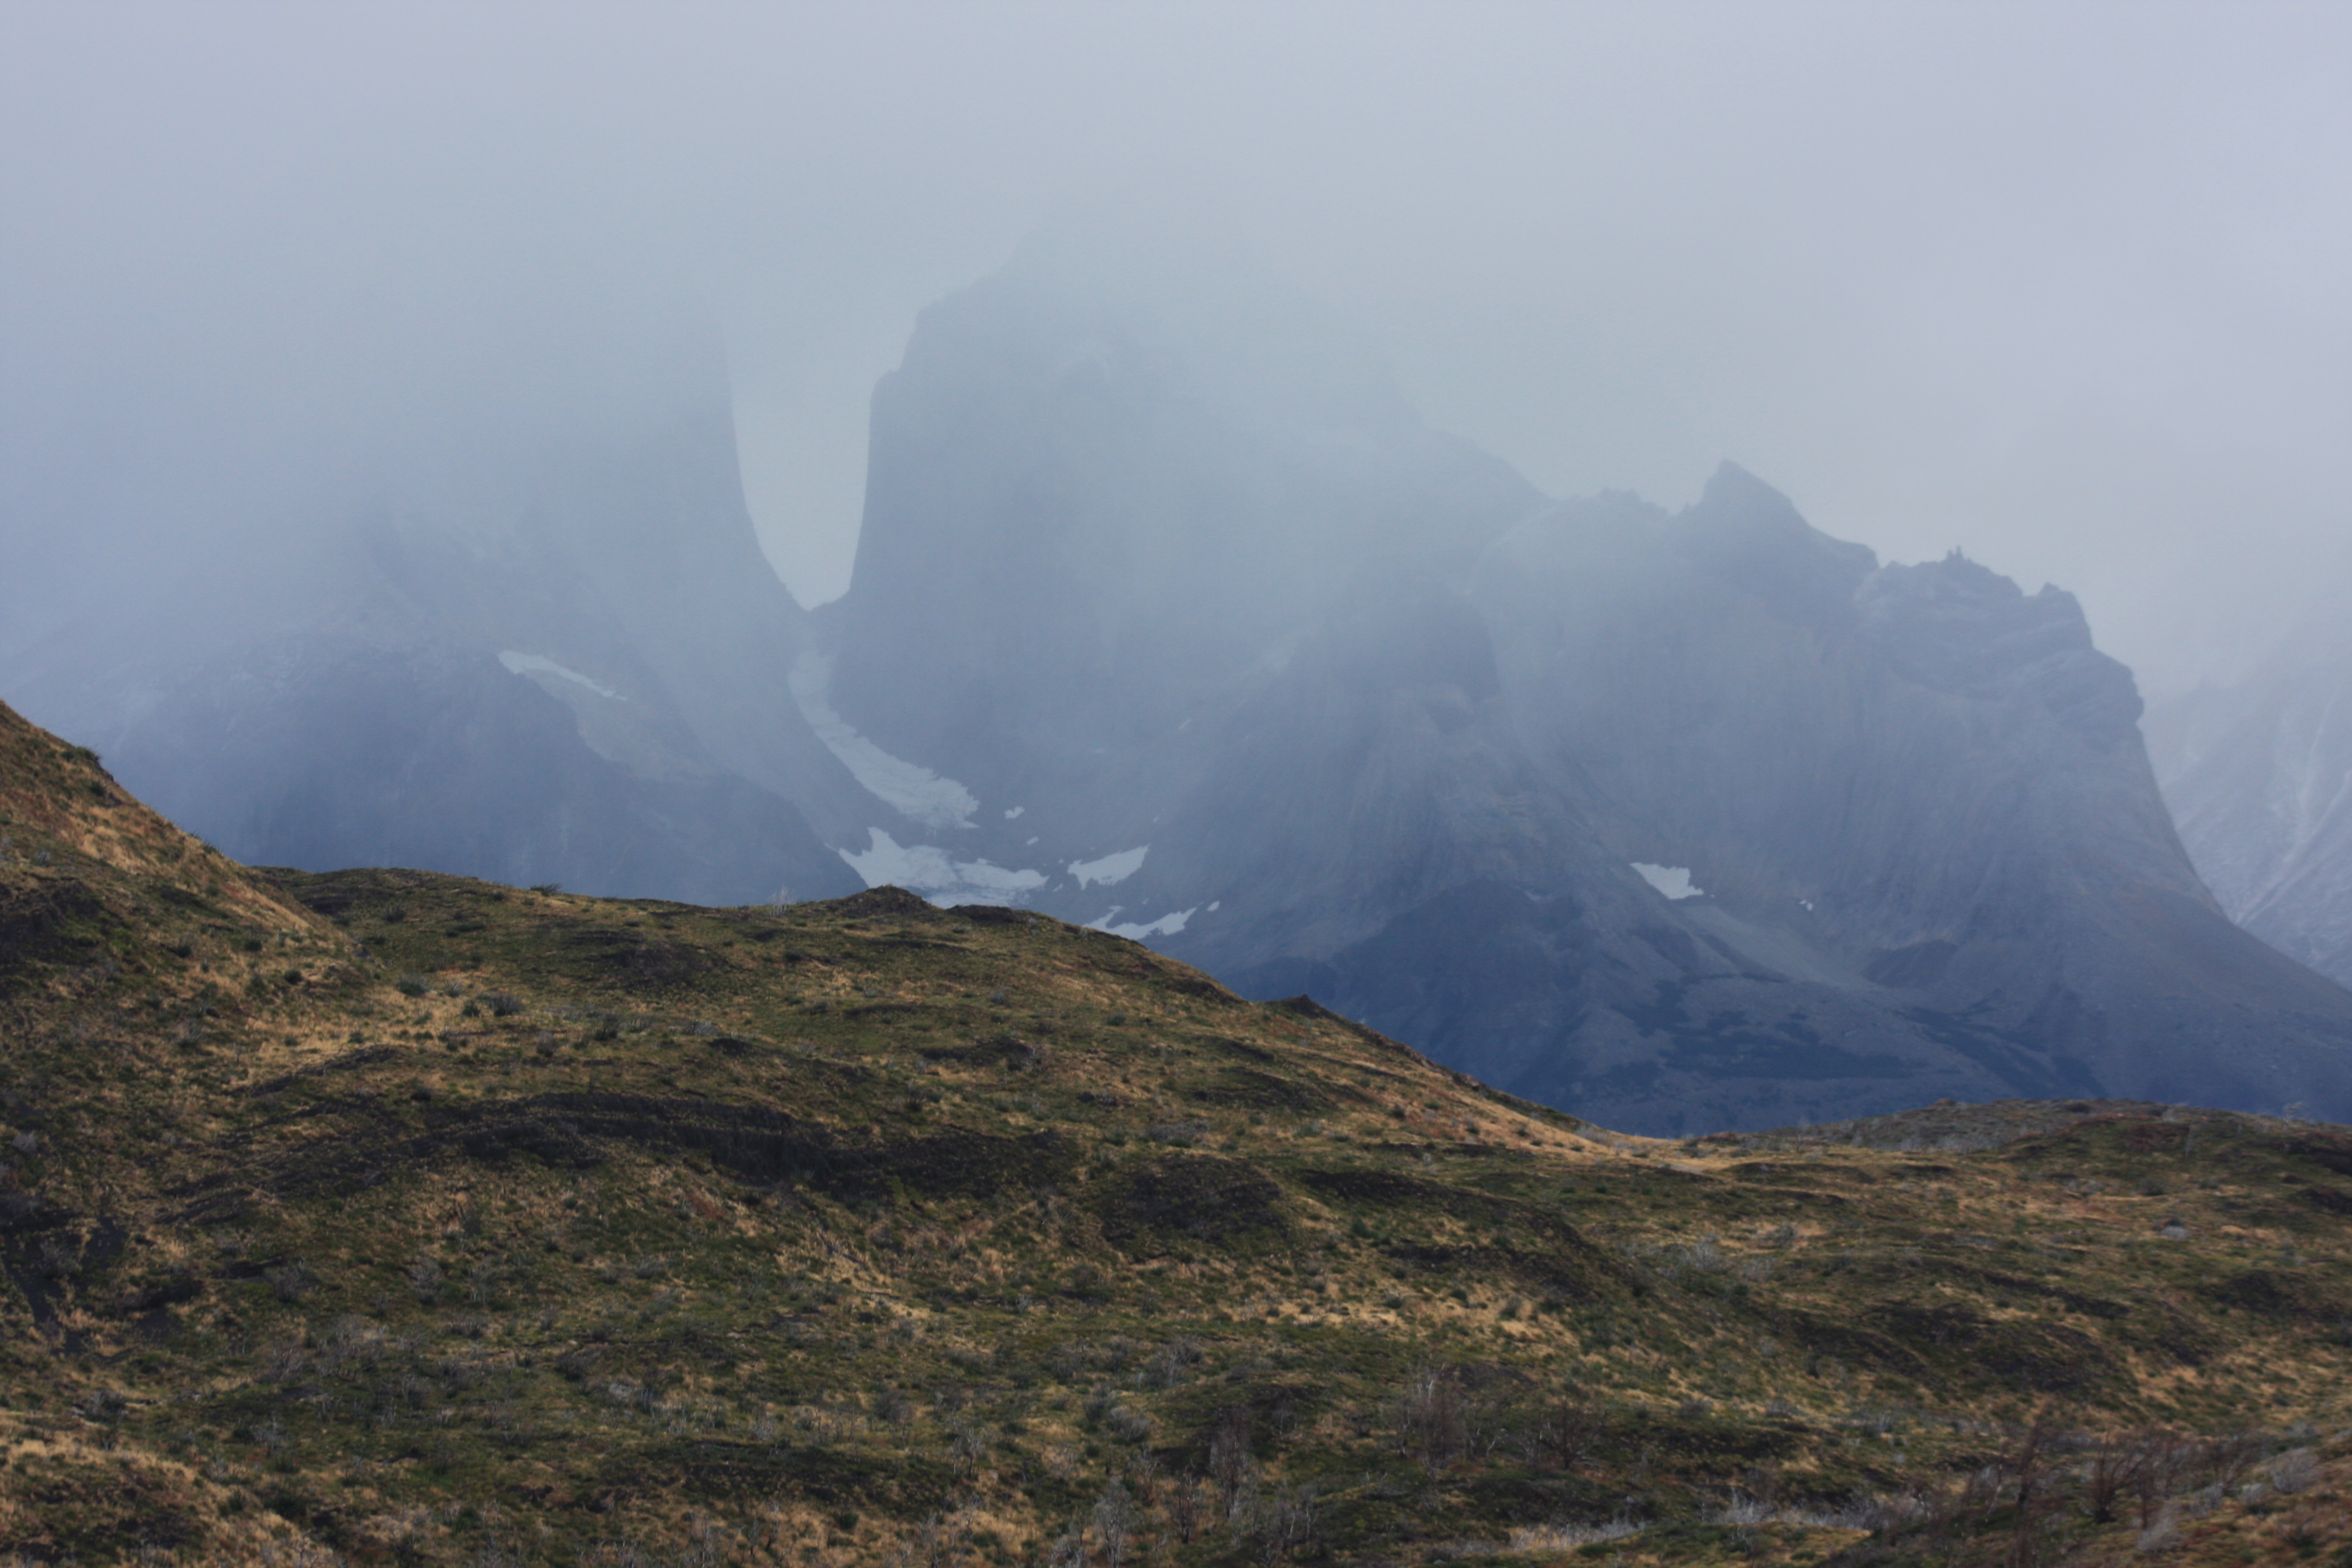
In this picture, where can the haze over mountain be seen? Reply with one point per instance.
(525, 632)
(1401, 733)
(1171, 617)
(2259, 775)
(2058, 285)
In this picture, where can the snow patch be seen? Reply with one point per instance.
(1166, 925)
(927, 869)
(1213, 903)
(1012, 811)
(911, 789)
(535, 664)
(1111, 869)
(1674, 881)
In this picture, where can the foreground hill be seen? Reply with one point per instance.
(411, 1218)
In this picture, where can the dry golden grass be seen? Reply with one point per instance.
(408, 1218)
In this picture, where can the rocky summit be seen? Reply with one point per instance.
(384, 1215)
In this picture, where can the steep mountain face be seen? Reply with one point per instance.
(2259, 776)
(540, 644)
(1102, 508)
(1914, 784)
(1172, 619)
(1678, 821)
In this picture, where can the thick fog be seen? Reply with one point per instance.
(2059, 285)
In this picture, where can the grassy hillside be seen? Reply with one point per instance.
(384, 1216)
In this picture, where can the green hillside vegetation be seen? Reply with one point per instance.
(379, 1216)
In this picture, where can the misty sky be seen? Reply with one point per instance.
(2063, 285)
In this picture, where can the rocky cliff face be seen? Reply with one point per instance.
(2259, 776)
(1101, 506)
(1680, 821)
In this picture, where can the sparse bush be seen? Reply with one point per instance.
(410, 986)
(1566, 1427)
(1170, 1363)
(1114, 1524)
(1273, 1525)
(1432, 1421)
(2114, 1466)
(291, 1281)
(56, 1257)
(2295, 1472)
(283, 1361)
(501, 1004)
(353, 1340)
(2162, 1534)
